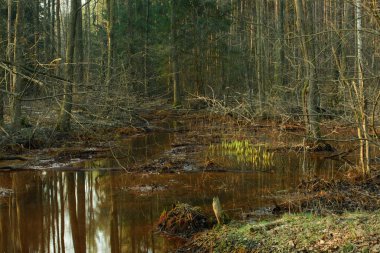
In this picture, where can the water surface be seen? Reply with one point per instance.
(113, 211)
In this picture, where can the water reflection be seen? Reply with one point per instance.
(115, 212)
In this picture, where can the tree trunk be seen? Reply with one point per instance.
(259, 54)
(110, 46)
(307, 48)
(88, 42)
(146, 41)
(18, 61)
(9, 42)
(79, 48)
(360, 93)
(52, 28)
(65, 116)
(174, 56)
(3, 73)
(279, 45)
(58, 25)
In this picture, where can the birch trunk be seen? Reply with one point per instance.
(360, 91)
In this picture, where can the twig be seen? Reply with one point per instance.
(117, 160)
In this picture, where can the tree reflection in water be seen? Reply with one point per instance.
(99, 211)
(69, 212)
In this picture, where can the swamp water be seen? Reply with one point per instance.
(98, 210)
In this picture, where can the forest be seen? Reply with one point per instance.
(120, 119)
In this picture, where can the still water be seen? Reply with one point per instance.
(112, 211)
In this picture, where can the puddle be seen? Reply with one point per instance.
(62, 210)
(98, 210)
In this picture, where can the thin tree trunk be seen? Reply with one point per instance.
(279, 45)
(52, 28)
(2, 74)
(360, 92)
(9, 42)
(312, 121)
(18, 61)
(79, 48)
(88, 42)
(59, 38)
(174, 56)
(146, 47)
(65, 116)
(259, 54)
(110, 34)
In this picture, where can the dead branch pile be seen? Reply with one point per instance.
(320, 196)
(184, 220)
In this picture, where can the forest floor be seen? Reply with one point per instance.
(39, 145)
(338, 215)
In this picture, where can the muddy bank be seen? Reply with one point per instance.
(178, 137)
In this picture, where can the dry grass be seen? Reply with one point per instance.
(350, 232)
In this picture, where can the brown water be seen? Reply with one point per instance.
(111, 211)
